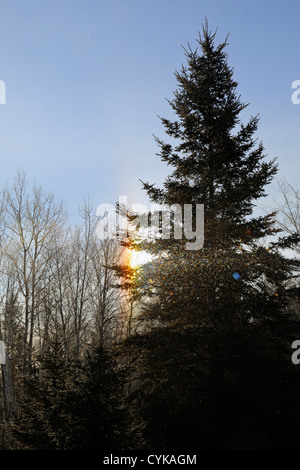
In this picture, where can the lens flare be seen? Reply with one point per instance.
(137, 258)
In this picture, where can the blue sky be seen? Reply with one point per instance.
(86, 80)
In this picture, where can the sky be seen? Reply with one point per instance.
(87, 79)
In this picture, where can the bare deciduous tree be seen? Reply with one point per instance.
(32, 220)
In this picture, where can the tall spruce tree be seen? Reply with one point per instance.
(217, 162)
(217, 347)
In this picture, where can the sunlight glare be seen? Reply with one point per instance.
(137, 258)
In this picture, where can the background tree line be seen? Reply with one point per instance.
(58, 296)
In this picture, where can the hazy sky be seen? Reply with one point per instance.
(86, 79)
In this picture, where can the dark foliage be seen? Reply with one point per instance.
(72, 407)
(214, 356)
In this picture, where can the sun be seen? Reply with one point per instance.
(137, 258)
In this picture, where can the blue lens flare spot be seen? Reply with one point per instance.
(236, 276)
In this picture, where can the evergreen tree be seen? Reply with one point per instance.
(95, 406)
(218, 339)
(42, 424)
(72, 406)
